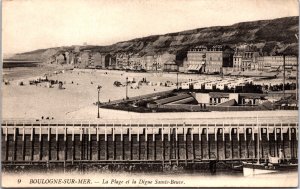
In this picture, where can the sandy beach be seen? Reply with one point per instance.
(76, 100)
(31, 101)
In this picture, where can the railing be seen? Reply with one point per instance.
(158, 121)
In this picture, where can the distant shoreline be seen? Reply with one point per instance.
(19, 64)
(18, 71)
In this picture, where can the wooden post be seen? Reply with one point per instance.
(268, 134)
(276, 142)
(66, 142)
(97, 134)
(290, 146)
(178, 154)
(208, 143)
(154, 143)
(130, 142)
(170, 139)
(32, 144)
(186, 145)
(73, 145)
(200, 138)
(57, 143)
(40, 147)
(56, 133)
(217, 143)
(40, 135)
(147, 145)
(138, 139)
(73, 148)
(122, 142)
(162, 143)
(245, 132)
(49, 143)
(231, 143)
(114, 142)
(90, 149)
(23, 144)
(176, 145)
(224, 140)
(207, 133)
(7, 144)
(163, 150)
(115, 147)
(193, 144)
(15, 132)
(200, 132)
(81, 143)
(6, 133)
(239, 141)
(215, 132)
(296, 133)
(268, 139)
(240, 149)
(31, 133)
(15, 144)
(105, 143)
(98, 142)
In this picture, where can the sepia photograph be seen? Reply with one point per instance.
(149, 93)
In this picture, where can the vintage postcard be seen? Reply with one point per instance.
(149, 93)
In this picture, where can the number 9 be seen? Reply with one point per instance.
(19, 181)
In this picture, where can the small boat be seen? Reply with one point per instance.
(272, 165)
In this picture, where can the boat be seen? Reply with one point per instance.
(275, 165)
(271, 165)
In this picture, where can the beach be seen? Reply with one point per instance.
(79, 94)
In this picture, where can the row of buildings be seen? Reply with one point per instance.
(246, 57)
(214, 59)
(121, 61)
(199, 59)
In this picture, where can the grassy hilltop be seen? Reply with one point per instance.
(271, 36)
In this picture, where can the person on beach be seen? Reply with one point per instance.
(281, 156)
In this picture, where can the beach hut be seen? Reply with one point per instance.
(209, 86)
(198, 85)
(185, 86)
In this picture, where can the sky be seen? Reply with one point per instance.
(34, 24)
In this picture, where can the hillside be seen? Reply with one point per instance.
(271, 36)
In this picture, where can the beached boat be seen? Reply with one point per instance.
(272, 165)
(269, 167)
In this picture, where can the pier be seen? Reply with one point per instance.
(173, 142)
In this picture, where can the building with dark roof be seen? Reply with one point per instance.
(171, 66)
(245, 58)
(209, 59)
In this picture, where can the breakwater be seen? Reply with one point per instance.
(147, 142)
